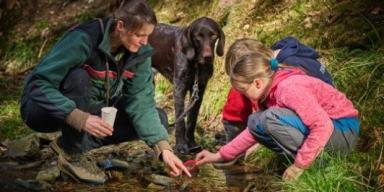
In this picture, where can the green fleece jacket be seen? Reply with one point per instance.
(75, 49)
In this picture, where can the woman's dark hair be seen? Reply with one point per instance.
(134, 13)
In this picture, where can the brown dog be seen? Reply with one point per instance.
(185, 57)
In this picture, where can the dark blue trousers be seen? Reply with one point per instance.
(281, 130)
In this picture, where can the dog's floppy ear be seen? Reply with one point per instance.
(187, 44)
(220, 43)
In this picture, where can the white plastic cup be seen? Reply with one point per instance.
(108, 115)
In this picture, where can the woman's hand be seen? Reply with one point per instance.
(207, 157)
(292, 173)
(174, 163)
(97, 127)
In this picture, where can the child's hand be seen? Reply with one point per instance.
(292, 173)
(207, 157)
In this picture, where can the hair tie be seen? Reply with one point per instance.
(274, 64)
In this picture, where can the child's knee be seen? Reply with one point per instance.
(259, 121)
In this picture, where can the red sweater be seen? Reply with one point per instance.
(238, 107)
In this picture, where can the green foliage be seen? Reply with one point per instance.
(330, 172)
(322, 24)
(267, 159)
(42, 24)
(358, 73)
(87, 16)
(163, 86)
(11, 124)
(206, 141)
(20, 56)
(182, 12)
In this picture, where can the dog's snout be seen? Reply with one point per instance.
(206, 55)
(207, 52)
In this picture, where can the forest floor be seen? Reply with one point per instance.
(348, 37)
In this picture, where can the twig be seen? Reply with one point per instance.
(42, 48)
(381, 155)
(29, 165)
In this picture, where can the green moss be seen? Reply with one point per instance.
(42, 24)
(11, 124)
(20, 55)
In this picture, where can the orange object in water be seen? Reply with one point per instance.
(191, 166)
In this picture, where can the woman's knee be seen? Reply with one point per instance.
(37, 118)
(77, 82)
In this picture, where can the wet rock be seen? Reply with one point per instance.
(48, 175)
(160, 180)
(33, 184)
(2, 150)
(154, 187)
(6, 143)
(46, 153)
(48, 137)
(185, 186)
(9, 164)
(24, 147)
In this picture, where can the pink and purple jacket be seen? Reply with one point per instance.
(315, 102)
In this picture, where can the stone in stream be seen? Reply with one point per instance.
(33, 184)
(25, 147)
(154, 187)
(160, 180)
(49, 174)
(2, 150)
(48, 137)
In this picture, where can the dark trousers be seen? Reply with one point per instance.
(281, 130)
(77, 87)
(232, 129)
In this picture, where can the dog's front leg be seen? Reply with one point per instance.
(179, 93)
(192, 121)
(180, 89)
(204, 75)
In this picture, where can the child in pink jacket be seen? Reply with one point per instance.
(300, 115)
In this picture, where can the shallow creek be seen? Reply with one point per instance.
(34, 168)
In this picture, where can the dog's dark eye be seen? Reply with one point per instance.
(199, 36)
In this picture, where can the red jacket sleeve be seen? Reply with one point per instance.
(238, 107)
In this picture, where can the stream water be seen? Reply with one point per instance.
(142, 174)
